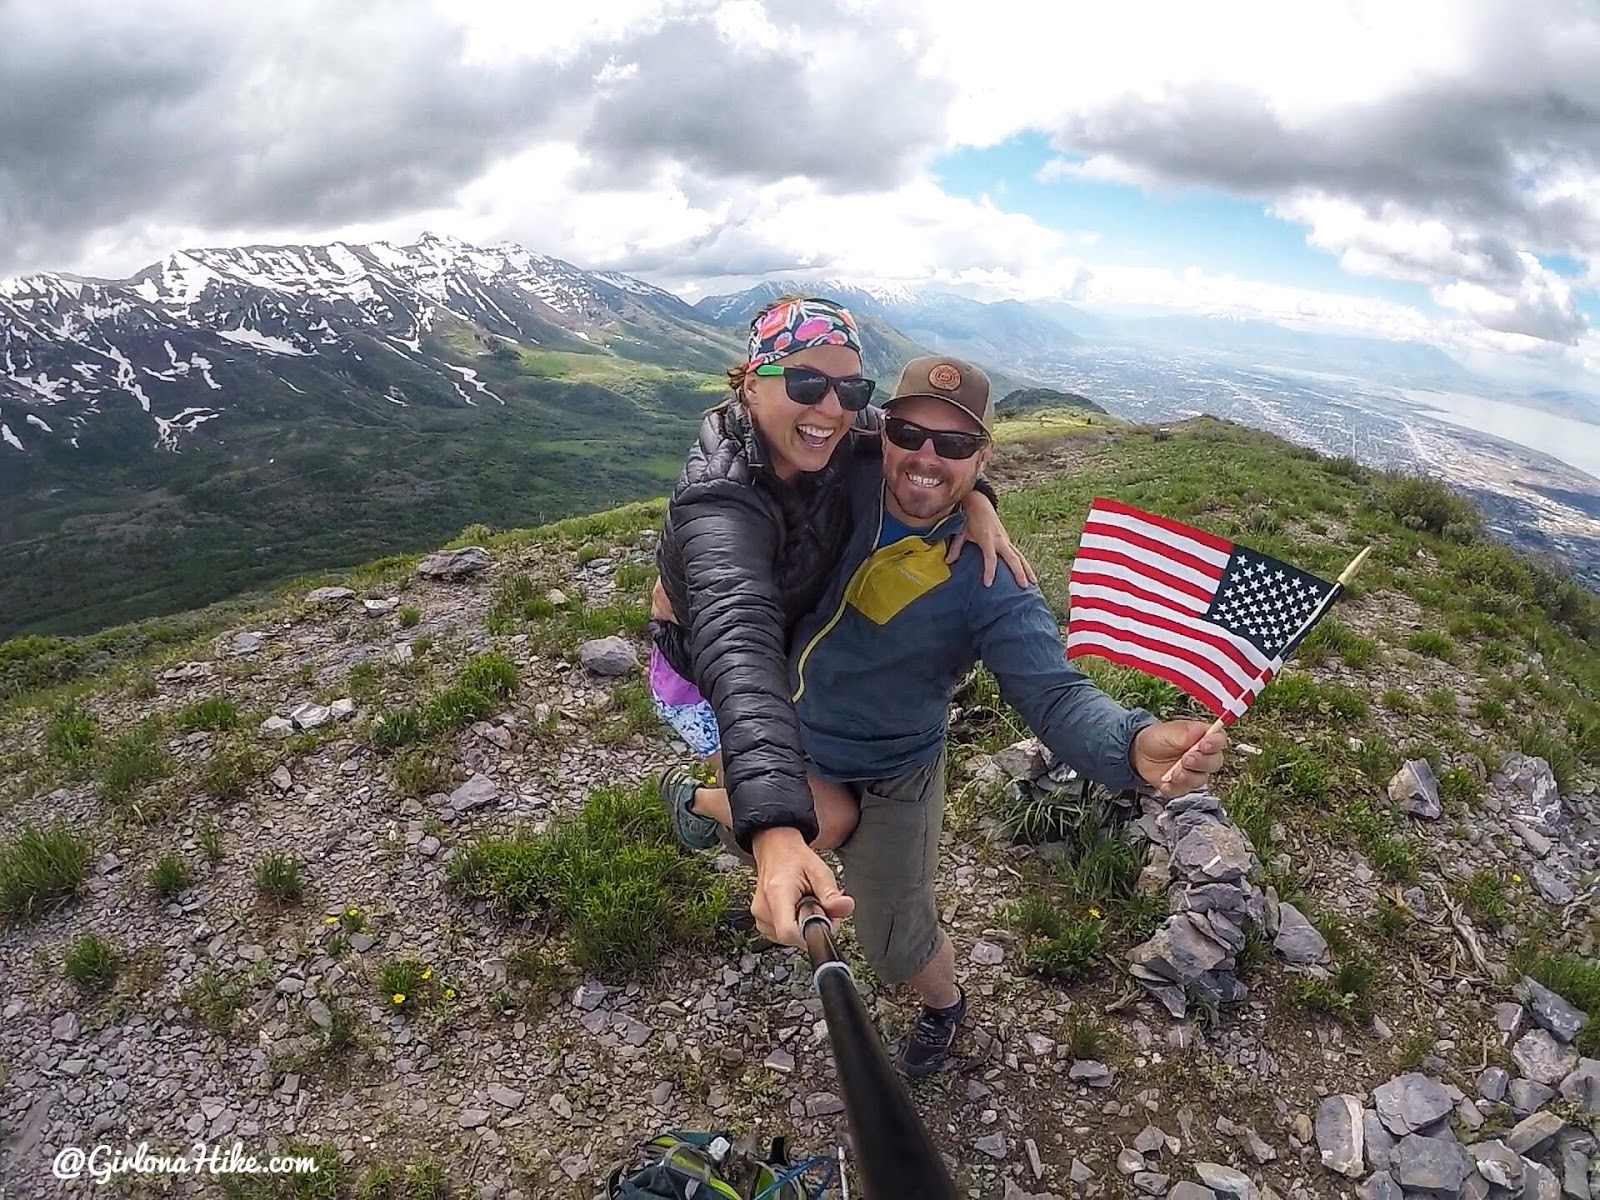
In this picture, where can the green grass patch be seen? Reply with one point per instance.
(611, 879)
(133, 762)
(399, 727)
(278, 878)
(40, 867)
(1577, 981)
(1483, 895)
(1330, 638)
(1434, 645)
(169, 875)
(493, 674)
(91, 963)
(228, 773)
(70, 738)
(631, 576)
(424, 1180)
(1347, 995)
(418, 771)
(330, 1180)
(457, 707)
(630, 710)
(404, 983)
(409, 616)
(214, 712)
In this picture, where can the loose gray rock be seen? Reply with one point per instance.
(505, 1097)
(1226, 1181)
(1298, 940)
(277, 727)
(1582, 1087)
(589, 995)
(310, 716)
(380, 608)
(1431, 1165)
(1040, 1046)
(343, 709)
(1023, 760)
(1575, 1174)
(65, 1028)
(993, 1144)
(1510, 1019)
(1130, 1161)
(1551, 887)
(1538, 845)
(987, 954)
(1380, 1187)
(608, 656)
(1411, 1102)
(1551, 1011)
(1492, 1084)
(1533, 795)
(329, 595)
(1340, 1138)
(474, 793)
(1528, 1096)
(1213, 852)
(1151, 1183)
(1379, 1141)
(1539, 1181)
(244, 643)
(1185, 1190)
(1543, 1059)
(1533, 1132)
(780, 1060)
(1088, 1071)
(661, 1094)
(1497, 1163)
(454, 564)
(823, 1104)
(281, 779)
(1180, 951)
(1416, 791)
(471, 1118)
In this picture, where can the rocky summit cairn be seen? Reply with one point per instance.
(1405, 1143)
(454, 564)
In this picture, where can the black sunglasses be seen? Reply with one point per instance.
(947, 443)
(807, 385)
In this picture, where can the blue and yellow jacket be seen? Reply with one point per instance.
(874, 665)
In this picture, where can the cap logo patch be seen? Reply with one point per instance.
(945, 377)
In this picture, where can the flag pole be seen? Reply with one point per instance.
(1345, 577)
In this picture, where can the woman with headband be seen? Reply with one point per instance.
(754, 528)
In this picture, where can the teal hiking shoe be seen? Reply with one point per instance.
(677, 793)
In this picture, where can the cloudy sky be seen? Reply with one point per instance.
(1427, 169)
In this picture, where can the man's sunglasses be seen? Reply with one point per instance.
(947, 443)
(807, 385)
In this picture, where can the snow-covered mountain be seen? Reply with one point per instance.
(188, 339)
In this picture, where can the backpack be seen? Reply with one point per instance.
(694, 1165)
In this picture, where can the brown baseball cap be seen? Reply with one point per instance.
(953, 380)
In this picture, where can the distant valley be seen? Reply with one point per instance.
(228, 417)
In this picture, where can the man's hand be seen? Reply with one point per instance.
(1157, 748)
(786, 869)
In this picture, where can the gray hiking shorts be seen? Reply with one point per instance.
(888, 868)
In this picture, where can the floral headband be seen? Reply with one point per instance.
(799, 325)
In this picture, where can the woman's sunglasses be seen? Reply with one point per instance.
(807, 385)
(947, 443)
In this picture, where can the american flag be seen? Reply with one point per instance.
(1215, 618)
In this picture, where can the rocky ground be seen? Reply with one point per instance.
(1457, 1087)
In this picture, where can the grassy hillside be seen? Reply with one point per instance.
(350, 949)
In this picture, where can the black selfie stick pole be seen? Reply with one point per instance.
(897, 1157)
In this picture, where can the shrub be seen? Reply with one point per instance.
(417, 772)
(493, 674)
(38, 866)
(457, 707)
(169, 876)
(1435, 645)
(278, 878)
(70, 737)
(91, 963)
(228, 772)
(1427, 504)
(133, 761)
(397, 728)
(1484, 896)
(1086, 1039)
(611, 877)
(409, 616)
(215, 712)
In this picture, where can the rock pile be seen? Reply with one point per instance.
(1409, 1141)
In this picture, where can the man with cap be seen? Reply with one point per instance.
(873, 668)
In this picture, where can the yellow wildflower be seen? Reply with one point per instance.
(399, 997)
(330, 920)
(352, 912)
(427, 972)
(1095, 913)
(449, 993)
(1515, 878)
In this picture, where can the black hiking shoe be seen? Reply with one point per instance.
(927, 1047)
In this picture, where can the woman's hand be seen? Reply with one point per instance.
(986, 532)
(660, 606)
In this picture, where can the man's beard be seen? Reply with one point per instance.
(926, 504)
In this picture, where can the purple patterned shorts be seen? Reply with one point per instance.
(680, 704)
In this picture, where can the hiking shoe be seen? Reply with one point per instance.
(927, 1047)
(677, 793)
